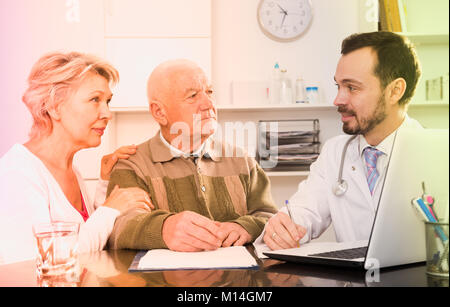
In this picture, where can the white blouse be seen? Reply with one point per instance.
(29, 194)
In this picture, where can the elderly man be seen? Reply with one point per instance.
(203, 200)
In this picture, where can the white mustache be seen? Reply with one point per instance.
(204, 115)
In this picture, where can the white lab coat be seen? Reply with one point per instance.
(315, 206)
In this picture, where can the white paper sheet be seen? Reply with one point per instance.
(223, 258)
(260, 248)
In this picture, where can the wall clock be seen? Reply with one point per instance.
(284, 20)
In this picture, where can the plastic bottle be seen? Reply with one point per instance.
(300, 91)
(312, 94)
(285, 88)
(274, 88)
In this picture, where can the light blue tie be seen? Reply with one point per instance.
(371, 156)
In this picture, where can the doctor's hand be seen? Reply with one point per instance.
(188, 231)
(281, 232)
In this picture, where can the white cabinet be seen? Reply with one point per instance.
(426, 16)
(158, 18)
(136, 58)
(432, 50)
(49, 25)
(140, 34)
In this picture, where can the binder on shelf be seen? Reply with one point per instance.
(288, 145)
(298, 148)
(390, 19)
(382, 17)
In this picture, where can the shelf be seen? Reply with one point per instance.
(426, 39)
(287, 107)
(129, 109)
(263, 108)
(437, 103)
(232, 108)
(288, 174)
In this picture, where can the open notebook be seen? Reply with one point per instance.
(235, 257)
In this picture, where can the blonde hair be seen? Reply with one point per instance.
(52, 80)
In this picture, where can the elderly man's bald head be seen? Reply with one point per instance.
(169, 77)
(181, 99)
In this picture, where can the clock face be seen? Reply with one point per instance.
(284, 20)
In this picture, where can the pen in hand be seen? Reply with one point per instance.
(286, 202)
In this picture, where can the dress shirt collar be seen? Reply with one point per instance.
(163, 151)
(385, 145)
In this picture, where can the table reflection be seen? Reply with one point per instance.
(110, 268)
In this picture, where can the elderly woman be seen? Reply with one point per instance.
(68, 97)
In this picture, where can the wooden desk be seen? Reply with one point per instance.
(109, 268)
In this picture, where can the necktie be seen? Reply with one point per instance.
(371, 156)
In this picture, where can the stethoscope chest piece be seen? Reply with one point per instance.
(340, 187)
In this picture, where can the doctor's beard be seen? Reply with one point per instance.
(365, 125)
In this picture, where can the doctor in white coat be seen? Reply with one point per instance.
(376, 77)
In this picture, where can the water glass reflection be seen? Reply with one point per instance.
(57, 251)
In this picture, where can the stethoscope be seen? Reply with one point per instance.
(341, 186)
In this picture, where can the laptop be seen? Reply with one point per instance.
(398, 231)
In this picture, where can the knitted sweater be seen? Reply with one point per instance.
(217, 186)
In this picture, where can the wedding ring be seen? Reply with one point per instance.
(274, 235)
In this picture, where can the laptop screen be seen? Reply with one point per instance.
(418, 156)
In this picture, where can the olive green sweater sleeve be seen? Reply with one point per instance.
(260, 205)
(136, 228)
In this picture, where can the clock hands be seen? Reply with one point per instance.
(282, 22)
(282, 10)
(284, 16)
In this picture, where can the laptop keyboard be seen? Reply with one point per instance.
(351, 253)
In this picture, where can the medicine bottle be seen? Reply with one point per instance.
(286, 96)
(300, 91)
(312, 94)
(274, 87)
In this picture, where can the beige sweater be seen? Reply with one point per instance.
(222, 188)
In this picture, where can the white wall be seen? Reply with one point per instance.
(241, 52)
(427, 16)
(28, 29)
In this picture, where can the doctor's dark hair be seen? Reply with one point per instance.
(397, 58)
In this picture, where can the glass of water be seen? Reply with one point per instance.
(57, 249)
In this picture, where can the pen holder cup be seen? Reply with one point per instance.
(437, 248)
